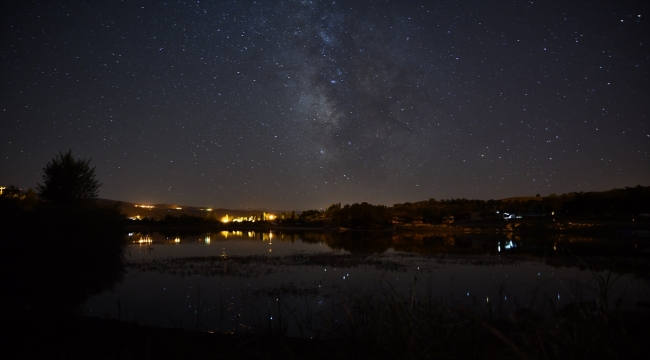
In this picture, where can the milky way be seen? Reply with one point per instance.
(300, 104)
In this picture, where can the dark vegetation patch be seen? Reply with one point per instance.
(256, 265)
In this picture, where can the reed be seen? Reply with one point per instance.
(419, 327)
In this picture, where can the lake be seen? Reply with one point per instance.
(242, 281)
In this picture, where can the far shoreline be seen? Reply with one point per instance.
(579, 227)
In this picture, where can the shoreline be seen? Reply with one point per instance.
(621, 228)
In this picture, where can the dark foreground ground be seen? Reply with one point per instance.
(76, 337)
(94, 338)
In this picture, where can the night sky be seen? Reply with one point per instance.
(300, 104)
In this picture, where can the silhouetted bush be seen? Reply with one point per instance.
(68, 181)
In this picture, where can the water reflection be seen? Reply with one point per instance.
(144, 240)
(245, 274)
(558, 250)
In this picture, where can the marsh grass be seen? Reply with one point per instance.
(419, 326)
(392, 325)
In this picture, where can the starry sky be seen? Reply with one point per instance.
(299, 104)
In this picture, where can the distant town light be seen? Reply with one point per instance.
(145, 206)
(227, 219)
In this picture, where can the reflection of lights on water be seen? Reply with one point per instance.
(267, 237)
(227, 234)
(507, 246)
(145, 240)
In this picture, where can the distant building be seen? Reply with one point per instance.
(507, 216)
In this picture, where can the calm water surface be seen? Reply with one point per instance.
(239, 281)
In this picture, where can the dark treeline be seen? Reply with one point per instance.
(614, 205)
(192, 221)
(288, 218)
(630, 203)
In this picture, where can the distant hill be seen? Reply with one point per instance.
(522, 199)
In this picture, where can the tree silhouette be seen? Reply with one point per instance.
(68, 181)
